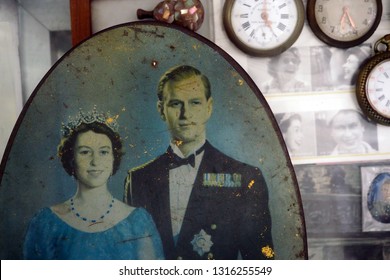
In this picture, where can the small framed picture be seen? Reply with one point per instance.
(376, 198)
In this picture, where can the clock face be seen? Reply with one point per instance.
(263, 27)
(339, 22)
(378, 88)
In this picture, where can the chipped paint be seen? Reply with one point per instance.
(268, 252)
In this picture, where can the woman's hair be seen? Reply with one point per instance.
(362, 53)
(380, 210)
(287, 119)
(273, 68)
(67, 145)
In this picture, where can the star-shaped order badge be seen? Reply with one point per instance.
(201, 243)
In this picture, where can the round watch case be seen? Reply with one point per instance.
(373, 84)
(263, 28)
(344, 23)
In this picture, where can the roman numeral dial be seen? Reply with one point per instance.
(378, 88)
(263, 27)
(373, 83)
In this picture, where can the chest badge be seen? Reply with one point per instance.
(201, 243)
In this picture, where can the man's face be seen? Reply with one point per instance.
(347, 130)
(186, 110)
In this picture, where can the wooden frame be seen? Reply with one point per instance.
(80, 14)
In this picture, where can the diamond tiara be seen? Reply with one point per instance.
(88, 118)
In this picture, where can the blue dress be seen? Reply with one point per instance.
(50, 238)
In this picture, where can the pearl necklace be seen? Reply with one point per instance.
(90, 220)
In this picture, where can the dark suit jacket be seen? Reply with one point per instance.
(229, 202)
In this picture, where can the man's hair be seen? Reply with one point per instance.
(180, 73)
(361, 117)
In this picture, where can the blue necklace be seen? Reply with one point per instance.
(90, 220)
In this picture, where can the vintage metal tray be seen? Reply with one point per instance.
(117, 70)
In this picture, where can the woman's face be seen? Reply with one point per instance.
(385, 192)
(288, 64)
(94, 159)
(350, 67)
(294, 136)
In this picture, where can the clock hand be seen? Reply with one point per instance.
(268, 23)
(350, 19)
(343, 18)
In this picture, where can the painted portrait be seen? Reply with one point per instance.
(376, 198)
(188, 160)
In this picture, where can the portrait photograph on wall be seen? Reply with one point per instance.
(376, 198)
(152, 137)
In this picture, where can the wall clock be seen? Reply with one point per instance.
(263, 28)
(373, 84)
(344, 23)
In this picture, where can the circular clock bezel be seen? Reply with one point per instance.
(262, 52)
(361, 89)
(312, 20)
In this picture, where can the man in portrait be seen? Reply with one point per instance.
(347, 130)
(206, 205)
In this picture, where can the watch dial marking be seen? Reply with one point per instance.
(345, 20)
(378, 88)
(264, 24)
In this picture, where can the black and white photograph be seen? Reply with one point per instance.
(286, 73)
(283, 74)
(329, 179)
(321, 70)
(298, 132)
(346, 64)
(345, 132)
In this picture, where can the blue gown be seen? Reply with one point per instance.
(50, 238)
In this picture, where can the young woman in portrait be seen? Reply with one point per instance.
(378, 198)
(291, 127)
(92, 224)
(284, 69)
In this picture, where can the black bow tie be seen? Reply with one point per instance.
(176, 161)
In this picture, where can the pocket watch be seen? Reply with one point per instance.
(373, 83)
(263, 27)
(344, 23)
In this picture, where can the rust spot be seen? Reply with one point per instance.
(268, 252)
(178, 143)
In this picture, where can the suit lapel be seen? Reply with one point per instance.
(161, 205)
